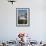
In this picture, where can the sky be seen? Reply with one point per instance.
(22, 12)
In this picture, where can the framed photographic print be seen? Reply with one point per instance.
(22, 17)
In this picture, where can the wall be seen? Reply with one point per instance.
(37, 29)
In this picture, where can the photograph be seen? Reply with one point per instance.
(22, 16)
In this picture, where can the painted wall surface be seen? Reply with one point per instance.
(37, 29)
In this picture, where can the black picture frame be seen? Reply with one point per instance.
(22, 17)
